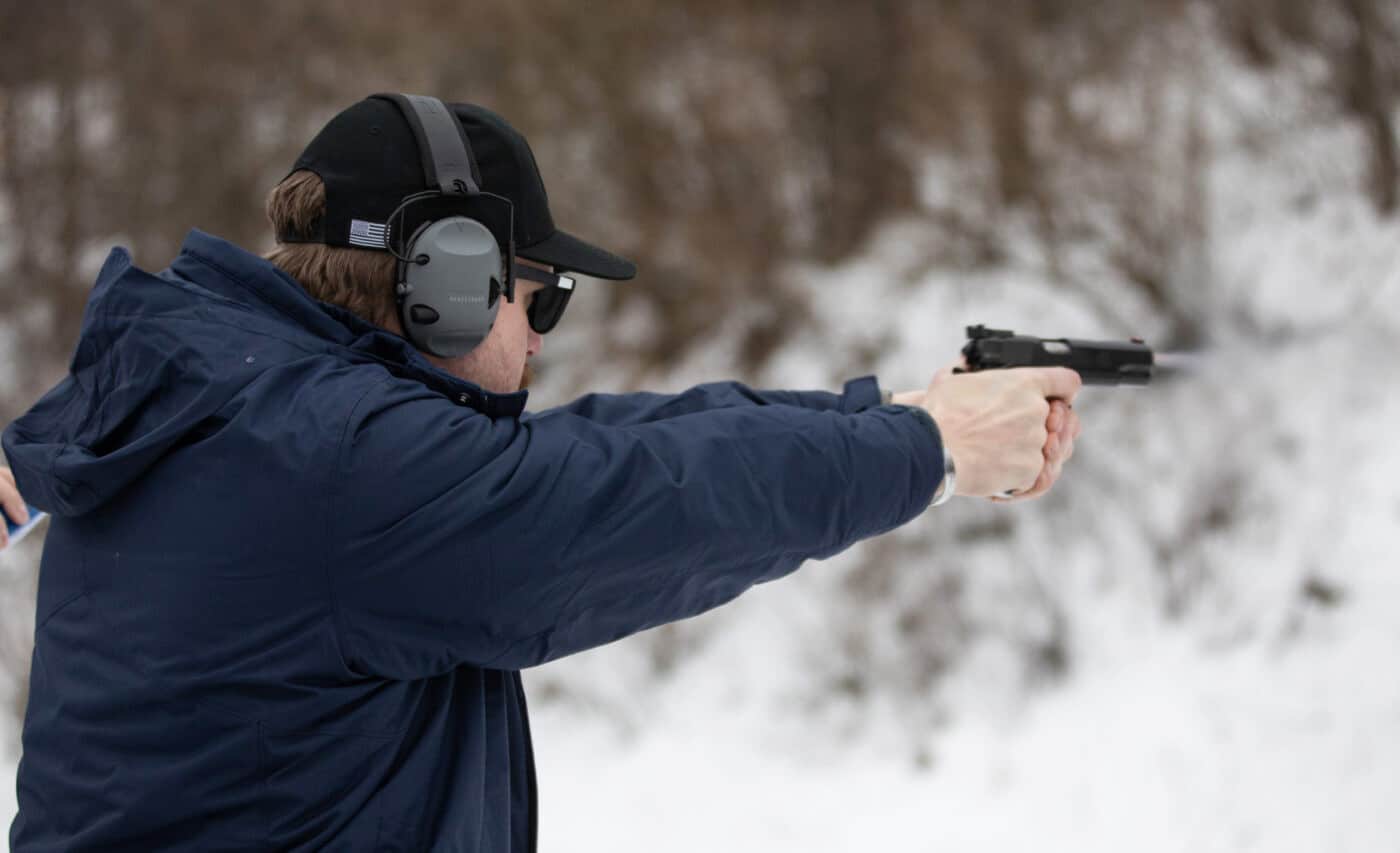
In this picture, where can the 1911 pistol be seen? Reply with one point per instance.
(1096, 362)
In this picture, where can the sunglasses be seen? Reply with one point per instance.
(548, 304)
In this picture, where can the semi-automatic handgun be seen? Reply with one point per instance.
(1097, 362)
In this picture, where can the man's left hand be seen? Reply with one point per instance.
(1062, 428)
(11, 503)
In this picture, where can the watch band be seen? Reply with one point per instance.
(948, 487)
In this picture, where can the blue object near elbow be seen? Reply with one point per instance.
(18, 531)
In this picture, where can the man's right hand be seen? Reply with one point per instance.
(996, 424)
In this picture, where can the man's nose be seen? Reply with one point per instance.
(534, 343)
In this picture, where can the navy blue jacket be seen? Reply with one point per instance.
(293, 569)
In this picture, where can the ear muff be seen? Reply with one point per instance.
(449, 285)
(451, 272)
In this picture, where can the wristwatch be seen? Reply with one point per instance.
(948, 487)
(950, 480)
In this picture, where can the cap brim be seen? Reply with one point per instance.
(567, 253)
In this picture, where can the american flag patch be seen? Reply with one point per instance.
(367, 234)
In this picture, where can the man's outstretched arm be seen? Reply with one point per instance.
(461, 540)
(644, 407)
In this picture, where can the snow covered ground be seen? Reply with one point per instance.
(1166, 752)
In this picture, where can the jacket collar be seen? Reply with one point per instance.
(241, 275)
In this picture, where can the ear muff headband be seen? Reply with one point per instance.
(451, 270)
(446, 151)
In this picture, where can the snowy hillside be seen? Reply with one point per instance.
(1215, 579)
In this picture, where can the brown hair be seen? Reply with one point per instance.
(359, 280)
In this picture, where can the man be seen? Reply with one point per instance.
(296, 563)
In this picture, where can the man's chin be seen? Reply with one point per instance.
(526, 377)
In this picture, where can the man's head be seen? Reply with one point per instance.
(387, 165)
(362, 282)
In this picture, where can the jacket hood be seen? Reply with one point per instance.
(160, 354)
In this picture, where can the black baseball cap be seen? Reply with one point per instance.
(368, 158)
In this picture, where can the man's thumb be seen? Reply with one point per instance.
(1058, 383)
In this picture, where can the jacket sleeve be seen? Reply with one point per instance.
(644, 407)
(459, 539)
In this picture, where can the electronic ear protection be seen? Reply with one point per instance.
(451, 271)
